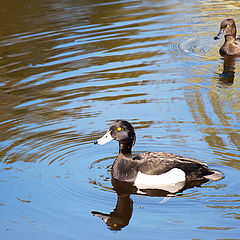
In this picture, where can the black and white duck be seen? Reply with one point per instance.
(152, 170)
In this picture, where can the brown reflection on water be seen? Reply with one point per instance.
(228, 74)
(45, 53)
(216, 110)
(43, 41)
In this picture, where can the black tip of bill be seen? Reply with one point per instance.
(220, 34)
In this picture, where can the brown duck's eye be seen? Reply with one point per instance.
(119, 129)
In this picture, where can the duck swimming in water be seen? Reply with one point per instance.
(152, 170)
(231, 46)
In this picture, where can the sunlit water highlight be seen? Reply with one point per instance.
(68, 69)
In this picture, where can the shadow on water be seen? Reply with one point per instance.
(122, 213)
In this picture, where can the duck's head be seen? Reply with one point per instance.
(123, 132)
(227, 28)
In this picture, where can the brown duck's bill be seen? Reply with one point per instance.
(220, 34)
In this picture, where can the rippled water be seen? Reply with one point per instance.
(68, 69)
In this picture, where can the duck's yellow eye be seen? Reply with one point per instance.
(119, 129)
(227, 26)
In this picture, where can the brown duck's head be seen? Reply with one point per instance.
(227, 28)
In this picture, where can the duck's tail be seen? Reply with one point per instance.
(215, 176)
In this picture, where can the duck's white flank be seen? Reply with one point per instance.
(171, 181)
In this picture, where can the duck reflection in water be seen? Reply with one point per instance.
(120, 216)
(122, 213)
(228, 74)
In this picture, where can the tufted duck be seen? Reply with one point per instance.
(231, 46)
(153, 170)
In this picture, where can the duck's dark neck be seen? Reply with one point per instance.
(125, 149)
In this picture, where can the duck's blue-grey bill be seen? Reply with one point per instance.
(104, 139)
(220, 34)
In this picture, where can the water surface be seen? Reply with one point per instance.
(70, 68)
